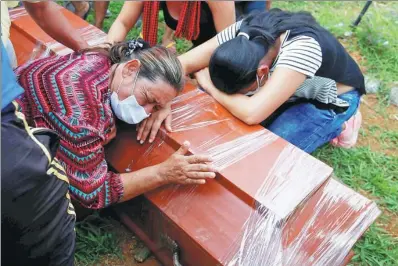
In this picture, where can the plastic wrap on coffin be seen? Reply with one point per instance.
(270, 219)
(271, 204)
(31, 42)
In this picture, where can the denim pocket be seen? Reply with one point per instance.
(332, 112)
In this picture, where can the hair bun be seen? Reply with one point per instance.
(132, 46)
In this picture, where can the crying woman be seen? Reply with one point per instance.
(78, 97)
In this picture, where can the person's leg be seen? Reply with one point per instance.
(255, 6)
(100, 8)
(81, 8)
(307, 127)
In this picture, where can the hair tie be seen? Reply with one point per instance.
(244, 34)
(132, 46)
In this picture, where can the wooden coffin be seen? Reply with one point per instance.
(31, 42)
(270, 204)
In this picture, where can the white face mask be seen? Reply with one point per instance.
(128, 110)
(251, 93)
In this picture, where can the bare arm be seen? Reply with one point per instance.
(47, 15)
(125, 21)
(253, 110)
(199, 57)
(140, 182)
(223, 13)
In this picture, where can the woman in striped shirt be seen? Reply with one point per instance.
(303, 84)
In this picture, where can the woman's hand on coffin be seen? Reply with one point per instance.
(203, 78)
(150, 126)
(186, 169)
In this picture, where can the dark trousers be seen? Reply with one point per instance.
(245, 8)
(37, 217)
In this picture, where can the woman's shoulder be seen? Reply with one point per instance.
(229, 33)
(49, 62)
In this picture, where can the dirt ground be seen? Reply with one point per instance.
(387, 120)
(130, 245)
(373, 118)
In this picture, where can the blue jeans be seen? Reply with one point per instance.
(244, 8)
(308, 127)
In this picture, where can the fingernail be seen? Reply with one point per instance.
(150, 141)
(213, 175)
(141, 142)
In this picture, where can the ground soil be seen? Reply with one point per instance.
(385, 118)
(129, 245)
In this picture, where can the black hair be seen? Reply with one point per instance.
(233, 65)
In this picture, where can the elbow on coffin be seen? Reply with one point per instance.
(251, 119)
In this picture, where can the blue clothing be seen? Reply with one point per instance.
(244, 8)
(10, 89)
(309, 127)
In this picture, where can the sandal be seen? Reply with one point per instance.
(349, 136)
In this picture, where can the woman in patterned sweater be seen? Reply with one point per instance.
(77, 96)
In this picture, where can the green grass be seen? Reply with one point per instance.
(375, 175)
(372, 173)
(94, 237)
(376, 38)
(363, 169)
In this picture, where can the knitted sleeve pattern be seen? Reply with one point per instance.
(70, 95)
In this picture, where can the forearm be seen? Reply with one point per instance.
(53, 22)
(117, 32)
(140, 182)
(239, 105)
(125, 21)
(199, 57)
(223, 13)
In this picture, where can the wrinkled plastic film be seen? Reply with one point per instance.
(339, 217)
(299, 216)
(189, 107)
(44, 45)
(290, 180)
(228, 153)
(159, 141)
(260, 240)
(322, 231)
(92, 35)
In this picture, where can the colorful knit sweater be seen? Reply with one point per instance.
(70, 95)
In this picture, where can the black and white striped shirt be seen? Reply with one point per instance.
(304, 55)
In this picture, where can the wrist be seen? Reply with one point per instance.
(159, 175)
(80, 45)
